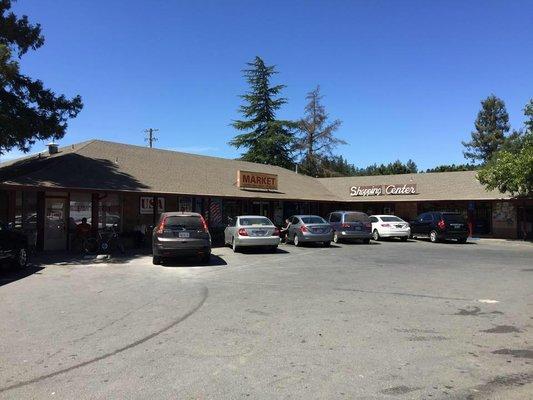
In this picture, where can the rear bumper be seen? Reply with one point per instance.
(354, 234)
(257, 241)
(403, 233)
(314, 237)
(178, 248)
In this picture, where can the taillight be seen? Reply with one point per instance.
(276, 232)
(243, 232)
(345, 225)
(441, 224)
(303, 229)
(204, 224)
(161, 226)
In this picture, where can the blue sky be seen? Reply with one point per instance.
(405, 77)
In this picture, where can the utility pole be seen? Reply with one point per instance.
(150, 136)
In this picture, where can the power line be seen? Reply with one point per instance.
(150, 138)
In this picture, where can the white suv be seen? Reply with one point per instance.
(389, 226)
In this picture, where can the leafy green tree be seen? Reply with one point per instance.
(492, 124)
(453, 167)
(267, 140)
(510, 170)
(393, 168)
(317, 139)
(335, 166)
(28, 111)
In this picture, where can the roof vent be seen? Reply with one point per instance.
(53, 148)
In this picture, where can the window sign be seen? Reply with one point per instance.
(147, 205)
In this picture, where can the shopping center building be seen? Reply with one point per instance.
(112, 184)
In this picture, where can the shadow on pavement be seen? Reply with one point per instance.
(10, 275)
(215, 261)
(66, 258)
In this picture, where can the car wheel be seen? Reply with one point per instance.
(22, 258)
(156, 260)
(296, 241)
(234, 246)
(433, 238)
(375, 235)
(335, 237)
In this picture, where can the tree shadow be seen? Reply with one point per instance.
(83, 173)
(8, 276)
(191, 261)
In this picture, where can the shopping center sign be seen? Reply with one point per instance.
(256, 180)
(383, 190)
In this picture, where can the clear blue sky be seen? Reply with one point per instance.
(405, 77)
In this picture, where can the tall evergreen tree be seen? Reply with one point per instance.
(492, 124)
(28, 111)
(266, 139)
(317, 139)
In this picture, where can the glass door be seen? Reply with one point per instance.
(55, 229)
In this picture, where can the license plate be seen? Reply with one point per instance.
(457, 226)
(183, 234)
(258, 232)
(318, 230)
(399, 226)
(357, 228)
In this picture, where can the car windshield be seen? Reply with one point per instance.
(453, 218)
(391, 219)
(255, 221)
(190, 222)
(356, 217)
(313, 220)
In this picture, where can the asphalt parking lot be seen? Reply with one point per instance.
(388, 320)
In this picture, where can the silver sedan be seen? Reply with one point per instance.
(309, 228)
(251, 230)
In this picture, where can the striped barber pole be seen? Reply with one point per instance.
(215, 212)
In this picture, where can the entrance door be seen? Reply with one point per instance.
(55, 227)
(260, 208)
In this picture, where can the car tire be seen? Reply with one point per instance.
(326, 244)
(375, 235)
(366, 241)
(336, 238)
(156, 260)
(296, 241)
(21, 261)
(234, 246)
(433, 237)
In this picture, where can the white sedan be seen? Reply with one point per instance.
(389, 226)
(251, 230)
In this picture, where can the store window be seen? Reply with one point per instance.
(109, 212)
(26, 215)
(185, 204)
(231, 209)
(80, 207)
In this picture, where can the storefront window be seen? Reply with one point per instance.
(26, 214)
(232, 208)
(109, 212)
(80, 207)
(185, 204)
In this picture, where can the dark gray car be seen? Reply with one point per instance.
(309, 228)
(350, 225)
(181, 234)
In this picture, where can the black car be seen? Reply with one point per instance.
(440, 225)
(13, 247)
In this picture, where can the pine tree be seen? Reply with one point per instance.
(28, 111)
(492, 124)
(317, 139)
(267, 140)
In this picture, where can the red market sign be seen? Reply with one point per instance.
(383, 190)
(256, 180)
(147, 205)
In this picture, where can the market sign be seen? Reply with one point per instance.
(383, 190)
(147, 205)
(256, 180)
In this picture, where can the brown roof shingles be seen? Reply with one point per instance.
(109, 166)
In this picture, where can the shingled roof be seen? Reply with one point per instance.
(435, 186)
(108, 166)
